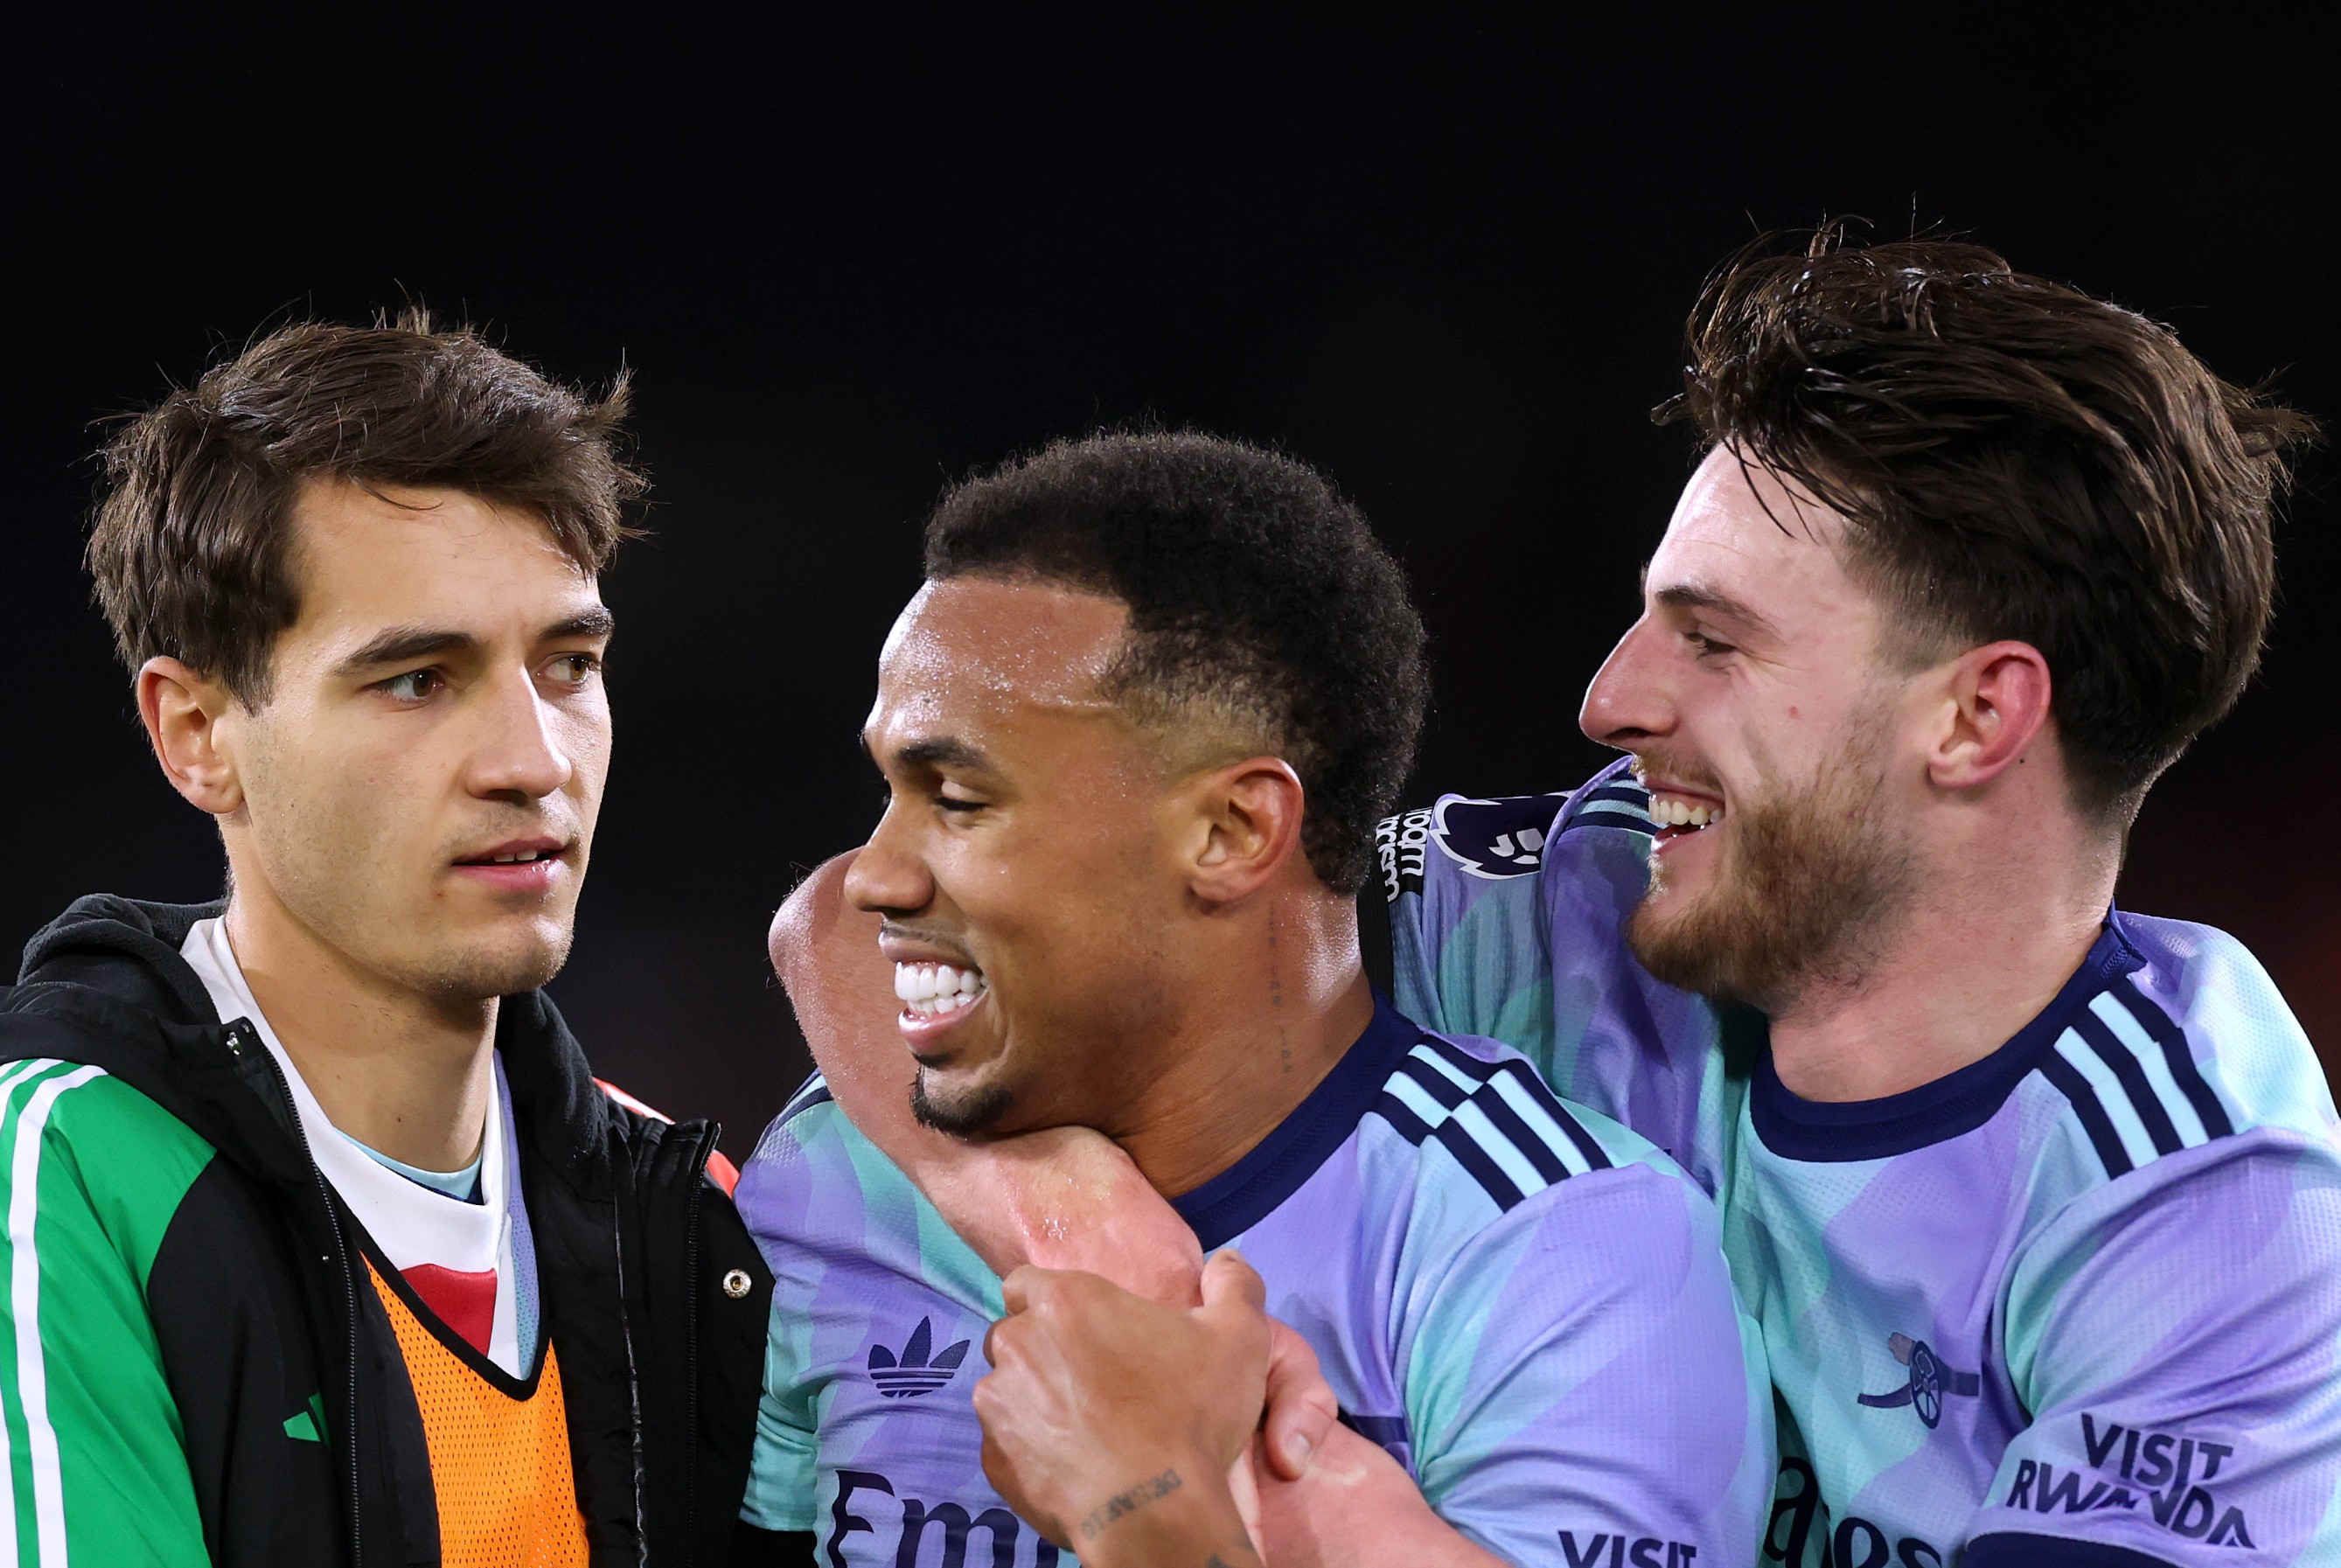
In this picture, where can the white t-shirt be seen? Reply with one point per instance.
(453, 1251)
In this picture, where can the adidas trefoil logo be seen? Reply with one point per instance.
(916, 1372)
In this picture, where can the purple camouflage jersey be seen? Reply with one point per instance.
(2078, 1302)
(1524, 1302)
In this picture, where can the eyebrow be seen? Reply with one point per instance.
(941, 752)
(1693, 597)
(398, 644)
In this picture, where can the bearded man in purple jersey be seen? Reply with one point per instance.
(2038, 1202)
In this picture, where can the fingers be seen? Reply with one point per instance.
(1229, 1281)
(1301, 1407)
(1028, 1287)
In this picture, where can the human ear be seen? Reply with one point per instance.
(182, 712)
(1251, 819)
(1998, 704)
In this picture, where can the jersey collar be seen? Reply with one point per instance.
(1248, 1191)
(1953, 1104)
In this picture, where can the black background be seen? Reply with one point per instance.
(849, 260)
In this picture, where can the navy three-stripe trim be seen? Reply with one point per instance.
(2131, 1075)
(1496, 1118)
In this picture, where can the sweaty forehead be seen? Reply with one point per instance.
(971, 648)
(1742, 533)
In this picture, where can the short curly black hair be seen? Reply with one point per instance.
(1257, 595)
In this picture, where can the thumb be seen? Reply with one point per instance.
(1020, 1288)
(1229, 1281)
(1300, 1404)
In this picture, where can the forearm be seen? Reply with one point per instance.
(841, 988)
(1167, 1520)
(1063, 1199)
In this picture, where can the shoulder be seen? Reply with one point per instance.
(90, 1163)
(114, 1134)
(1495, 1149)
(815, 1183)
(2184, 1059)
(2201, 994)
(808, 1126)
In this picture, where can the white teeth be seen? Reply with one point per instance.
(927, 989)
(1673, 810)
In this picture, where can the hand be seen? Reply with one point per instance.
(1355, 1507)
(1302, 1412)
(1111, 1423)
(1325, 1497)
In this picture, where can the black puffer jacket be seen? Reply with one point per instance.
(653, 1295)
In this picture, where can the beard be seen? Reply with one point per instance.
(1806, 895)
(963, 1115)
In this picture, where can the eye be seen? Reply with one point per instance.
(413, 686)
(957, 803)
(1703, 644)
(575, 669)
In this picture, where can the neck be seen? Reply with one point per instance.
(1272, 1013)
(410, 1075)
(1980, 954)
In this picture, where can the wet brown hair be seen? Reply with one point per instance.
(191, 549)
(2015, 460)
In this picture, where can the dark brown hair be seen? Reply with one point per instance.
(192, 547)
(2015, 460)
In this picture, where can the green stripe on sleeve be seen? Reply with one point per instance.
(92, 1174)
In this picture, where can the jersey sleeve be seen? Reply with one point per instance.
(1468, 951)
(1508, 919)
(774, 1195)
(1582, 1388)
(92, 1174)
(2176, 1338)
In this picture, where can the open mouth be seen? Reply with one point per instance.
(518, 865)
(938, 991)
(1679, 816)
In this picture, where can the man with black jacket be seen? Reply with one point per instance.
(323, 1244)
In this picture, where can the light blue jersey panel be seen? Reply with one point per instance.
(2081, 1297)
(1524, 1302)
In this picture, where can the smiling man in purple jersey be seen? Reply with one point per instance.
(2038, 1203)
(1136, 729)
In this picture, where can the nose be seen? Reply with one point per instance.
(888, 876)
(1628, 700)
(521, 755)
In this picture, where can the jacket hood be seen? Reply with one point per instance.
(104, 984)
(125, 948)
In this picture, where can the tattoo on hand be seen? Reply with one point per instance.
(1148, 1491)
